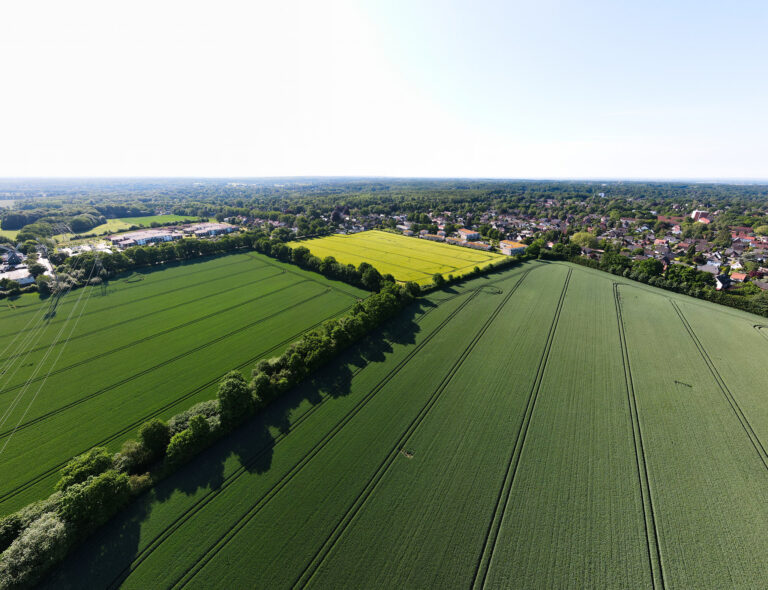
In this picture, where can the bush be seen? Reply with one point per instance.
(139, 483)
(179, 422)
(132, 458)
(44, 542)
(261, 387)
(89, 504)
(235, 400)
(185, 444)
(155, 435)
(95, 461)
(13, 524)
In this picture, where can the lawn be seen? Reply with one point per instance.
(406, 258)
(9, 233)
(147, 345)
(544, 426)
(124, 223)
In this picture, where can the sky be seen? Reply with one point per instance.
(535, 89)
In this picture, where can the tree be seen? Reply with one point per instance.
(235, 399)
(371, 279)
(649, 266)
(43, 285)
(36, 269)
(584, 239)
(89, 504)
(438, 280)
(185, 444)
(155, 435)
(77, 470)
(44, 542)
(534, 249)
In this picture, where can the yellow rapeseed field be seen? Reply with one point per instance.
(406, 258)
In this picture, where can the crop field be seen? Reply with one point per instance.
(547, 426)
(89, 368)
(405, 258)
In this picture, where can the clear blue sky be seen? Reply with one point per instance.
(513, 89)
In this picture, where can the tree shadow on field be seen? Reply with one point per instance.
(109, 556)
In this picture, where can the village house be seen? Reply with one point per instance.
(738, 277)
(510, 248)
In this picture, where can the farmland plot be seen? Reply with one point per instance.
(144, 355)
(406, 258)
(574, 506)
(439, 494)
(708, 481)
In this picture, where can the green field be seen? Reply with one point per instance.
(148, 345)
(406, 258)
(124, 223)
(9, 233)
(549, 426)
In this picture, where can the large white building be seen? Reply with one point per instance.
(509, 247)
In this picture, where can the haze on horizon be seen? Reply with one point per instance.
(545, 89)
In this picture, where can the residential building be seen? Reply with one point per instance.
(510, 248)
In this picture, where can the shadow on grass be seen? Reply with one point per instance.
(107, 558)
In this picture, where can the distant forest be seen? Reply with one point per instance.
(46, 207)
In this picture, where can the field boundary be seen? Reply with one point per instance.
(321, 555)
(724, 389)
(40, 477)
(207, 498)
(494, 526)
(649, 516)
(330, 283)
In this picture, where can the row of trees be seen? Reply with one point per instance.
(364, 275)
(94, 486)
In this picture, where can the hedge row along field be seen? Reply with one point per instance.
(148, 345)
(545, 426)
(405, 258)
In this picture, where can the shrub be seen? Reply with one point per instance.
(38, 547)
(180, 422)
(155, 435)
(188, 442)
(89, 504)
(95, 461)
(261, 387)
(132, 458)
(235, 400)
(13, 524)
(139, 483)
